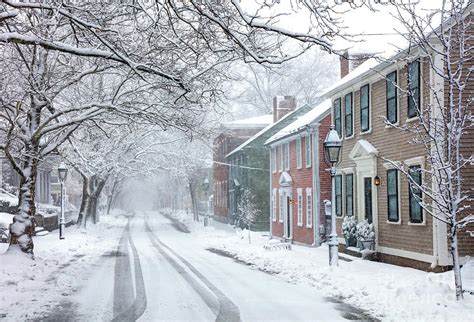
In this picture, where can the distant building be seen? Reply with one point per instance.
(299, 180)
(232, 135)
(250, 162)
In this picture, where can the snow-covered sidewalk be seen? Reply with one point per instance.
(31, 287)
(387, 292)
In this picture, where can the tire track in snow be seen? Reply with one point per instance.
(225, 309)
(123, 282)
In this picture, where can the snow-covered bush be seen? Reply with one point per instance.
(365, 230)
(349, 227)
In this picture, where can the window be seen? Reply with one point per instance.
(274, 160)
(337, 116)
(274, 210)
(391, 93)
(349, 195)
(281, 158)
(280, 214)
(416, 212)
(413, 88)
(364, 108)
(287, 156)
(348, 123)
(338, 179)
(299, 162)
(392, 195)
(300, 207)
(309, 208)
(308, 150)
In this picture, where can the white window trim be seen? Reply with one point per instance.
(280, 206)
(415, 118)
(333, 117)
(420, 160)
(399, 191)
(343, 117)
(308, 139)
(274, 206)
(343, 188)
(370, 110)
(300, 206)
(343, 192)
(309, 196)
(274, 160)
(287, 156)
(397, 95)
(299, 155)
(281, 159)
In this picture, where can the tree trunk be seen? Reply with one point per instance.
(456, 266)
(192, 193)
(112, 195)
(22, 229)
(81, 219)
(96, 187)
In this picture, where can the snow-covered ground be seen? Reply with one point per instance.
(29, 287)
(385, 291)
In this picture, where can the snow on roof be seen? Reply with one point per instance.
(302, 121)
(265, 129)
(261, 120)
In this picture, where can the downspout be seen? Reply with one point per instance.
(314, 130)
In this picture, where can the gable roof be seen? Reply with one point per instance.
(252, 122)
(301, 122)
(268, 128)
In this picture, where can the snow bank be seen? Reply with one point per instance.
(384, 291)
(29, 287)
(5, 219)
(8, 197)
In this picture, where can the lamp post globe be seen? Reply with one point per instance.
(62, 173)
(332, 149)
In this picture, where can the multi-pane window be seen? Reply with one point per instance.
(309, 208)
(391, 93)
(274, 204)
(274, 160)
(364, 108)
(337, 117)
(280, 214)
(416, 212)
(300, 207)
(348, 122)
(287, 156)
(308, 150)
(349, 195)
(392, 195)
(281, 157)
(413, 88)
(338, 189)
(299, 162)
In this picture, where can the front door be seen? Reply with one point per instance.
(368, 198)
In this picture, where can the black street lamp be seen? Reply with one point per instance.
(332, 149)
(62, 173)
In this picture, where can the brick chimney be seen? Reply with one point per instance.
(349, 62)
(344, 63)
(283, 105)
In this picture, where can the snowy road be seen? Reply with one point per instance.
(158, 273)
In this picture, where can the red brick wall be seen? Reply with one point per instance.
(303, 178)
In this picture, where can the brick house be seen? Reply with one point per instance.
(362, 102)
(232, 135)
(250, 162)
(299, 179)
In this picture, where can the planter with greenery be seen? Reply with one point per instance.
(365, 235)
(349, 231)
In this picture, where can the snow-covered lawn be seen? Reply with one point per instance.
(28, 287)
(384, 291)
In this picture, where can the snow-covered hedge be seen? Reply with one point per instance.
(349, 225)
(365, 231)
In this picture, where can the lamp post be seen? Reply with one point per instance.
(206, 188)
(62, 172)
(332, 149)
